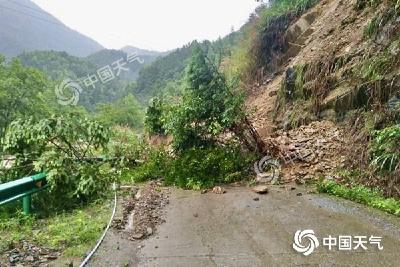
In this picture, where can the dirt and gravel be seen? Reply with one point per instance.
(27, 254)
(142, 211)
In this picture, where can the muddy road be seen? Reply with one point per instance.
(241, 228)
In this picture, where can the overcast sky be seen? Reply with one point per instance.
(158, 25)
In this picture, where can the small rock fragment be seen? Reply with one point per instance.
(149, 231)
(261, 189)
(218, 190)
(137, 236)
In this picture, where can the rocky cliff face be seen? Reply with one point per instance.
(340, 62)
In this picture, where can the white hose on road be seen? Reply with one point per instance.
(87, 259)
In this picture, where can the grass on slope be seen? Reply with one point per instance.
(72, 233)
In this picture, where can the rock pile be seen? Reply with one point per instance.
(26, 254)
(311, 151)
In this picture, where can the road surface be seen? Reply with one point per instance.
(234, 229)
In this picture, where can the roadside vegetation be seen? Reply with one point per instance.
(361, 194)
(73, 233)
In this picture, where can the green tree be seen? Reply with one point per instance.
(208, 108)
(21, 92)
(154, 117)
(124, 112)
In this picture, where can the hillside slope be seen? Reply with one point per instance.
(27, 27)
(341, 65)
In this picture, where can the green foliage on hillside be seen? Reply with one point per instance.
(22, 92)
(59, 66)
(261, 39)
(153, 78)
(163, 77)
(123, 112)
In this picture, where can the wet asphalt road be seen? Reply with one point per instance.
(235, 230)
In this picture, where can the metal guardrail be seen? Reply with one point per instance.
(23, 189)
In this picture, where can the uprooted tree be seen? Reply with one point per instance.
(210, 108)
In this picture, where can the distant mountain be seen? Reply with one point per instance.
(60, 65)
(108, 56)
(164, 75)
(132, 49)
(26, 27)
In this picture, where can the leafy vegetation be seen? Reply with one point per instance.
(163, 77)
(361, 194)
(154, 117)
(62, 147)
(386, 149)
(108, 56)
(123, 112)
(375, 68)
(208, 107)
(194, 168)
(22, 92)
(198, 168)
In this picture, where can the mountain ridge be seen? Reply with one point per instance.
(27, 27)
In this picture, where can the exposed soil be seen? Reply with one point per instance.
(142, 211)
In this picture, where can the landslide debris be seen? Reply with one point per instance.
(143, 210)
(311, 151)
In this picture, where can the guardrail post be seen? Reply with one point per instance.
(26, 204)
